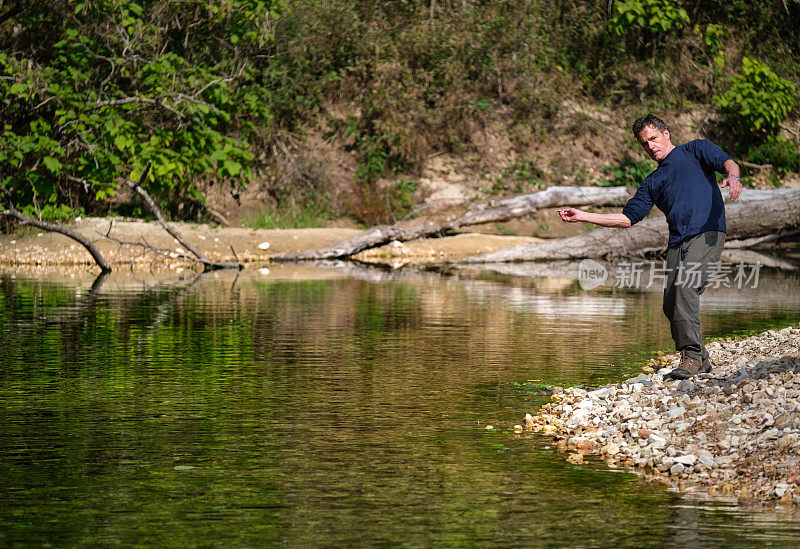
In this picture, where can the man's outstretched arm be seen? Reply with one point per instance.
(573, 215)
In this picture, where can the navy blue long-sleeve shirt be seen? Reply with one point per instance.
(685, 189)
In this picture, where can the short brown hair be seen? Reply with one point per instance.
(649, 120)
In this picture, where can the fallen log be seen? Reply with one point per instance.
(760, 240)
(105, 265)
(763, 213)
(753, 257)
(23, 219)
(501, 211)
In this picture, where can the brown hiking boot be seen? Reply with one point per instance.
(689, 367)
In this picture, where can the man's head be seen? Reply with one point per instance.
(654, 137)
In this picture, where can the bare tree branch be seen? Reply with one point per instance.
(755, 166)
(58, 228)
(137, 99)
(197, 255)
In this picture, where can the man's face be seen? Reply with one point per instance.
(656, 143)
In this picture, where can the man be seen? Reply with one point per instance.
(684, 187)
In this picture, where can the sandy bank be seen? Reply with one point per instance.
(36, 247)
(733, 433)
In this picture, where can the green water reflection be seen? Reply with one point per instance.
(255, 411)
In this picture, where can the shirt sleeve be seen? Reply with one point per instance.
(708, 153)
(641, 203)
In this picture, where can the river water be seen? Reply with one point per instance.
(335, 406)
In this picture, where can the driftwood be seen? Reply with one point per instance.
(753, 166)
(765, 260)
(197, 256)
(62, 229)
(501, 211)
(760, 214)
(759, 240)
(105, 266)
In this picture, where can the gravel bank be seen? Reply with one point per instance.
(732, 433)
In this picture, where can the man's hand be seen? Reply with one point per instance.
(732, 181)
(570, 215)
(734, 185)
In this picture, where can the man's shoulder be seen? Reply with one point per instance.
(694, 144)
(697, 145)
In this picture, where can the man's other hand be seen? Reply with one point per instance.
(734, 186)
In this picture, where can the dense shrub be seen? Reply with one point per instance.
(94, 90)
(783, 154)
(657, 16)
(757, 100)
(91, 90)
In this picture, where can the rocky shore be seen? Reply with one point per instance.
(733, 433)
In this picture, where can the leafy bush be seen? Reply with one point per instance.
(658, 16)
(629, 173)
(783, 154)
(714, 39)
(111, 86)
(757, 100)
(400, 198)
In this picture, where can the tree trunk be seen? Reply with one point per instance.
(502, 211)
(754, 214)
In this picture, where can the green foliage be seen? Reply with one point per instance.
(506, 230)
(629, 173)
(517, 178)
(657, 16)
(714, 39)
(313, 215)
(115, 85)
(524, 174)
(91, 90)
(757, 100)
(374, 160)
(775, 181)
(783, 154)
(422, 84)
(400, 197)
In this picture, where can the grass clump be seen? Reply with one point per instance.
(288, 219)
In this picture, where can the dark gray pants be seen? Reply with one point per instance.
(688, 266)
